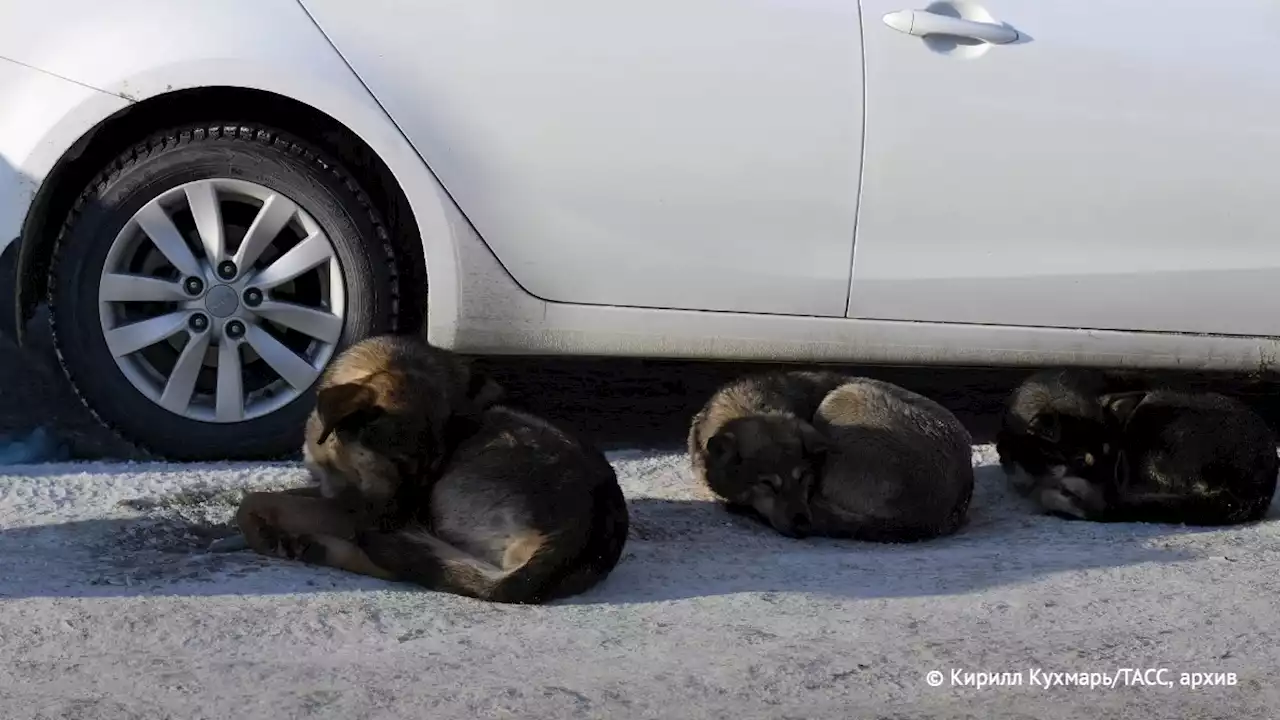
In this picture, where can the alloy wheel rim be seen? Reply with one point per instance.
(221, 300)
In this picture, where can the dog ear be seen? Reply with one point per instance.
(1045, 425)
(339, 404)
(722, 449)
(1120, 406)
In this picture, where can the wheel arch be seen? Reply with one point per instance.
(389, 188)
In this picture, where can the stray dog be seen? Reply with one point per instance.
(519, 512)
(898, 468)
(756, 433)
(1182, 458)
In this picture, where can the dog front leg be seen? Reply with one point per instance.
(267, 519)
(337, 553)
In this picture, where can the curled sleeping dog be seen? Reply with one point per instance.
(1100, 447)
(755, 434)
(864, 460)
(519, 512)
(1182, 458)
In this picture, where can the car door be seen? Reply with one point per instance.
(698, 154)
(1114, 166)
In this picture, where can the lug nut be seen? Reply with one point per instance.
(198, 323)
(253, 297)
(235, 330)
(227, 270)
(193, 285)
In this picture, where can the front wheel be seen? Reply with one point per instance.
(203, 282)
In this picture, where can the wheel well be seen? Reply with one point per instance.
(77, 168)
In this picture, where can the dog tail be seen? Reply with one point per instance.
(535, 569)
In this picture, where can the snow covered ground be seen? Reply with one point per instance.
(110, 608)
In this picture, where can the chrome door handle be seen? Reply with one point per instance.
(923, 22)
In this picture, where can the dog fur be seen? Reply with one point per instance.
(524, 513)
(388, 407)
(1184, 458)
(899, 466)
(753, 443)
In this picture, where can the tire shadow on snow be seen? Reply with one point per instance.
(677, 549)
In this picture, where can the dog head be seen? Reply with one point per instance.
(768, 463)
(1051, 445)
(389, 411)
(1070, 461)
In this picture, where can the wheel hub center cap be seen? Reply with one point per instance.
(222, 301)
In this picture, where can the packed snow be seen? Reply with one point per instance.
(110, 607)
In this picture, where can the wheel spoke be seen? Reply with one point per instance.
(120, 287)
(272, 217)
(203, 200)
(295, 371)
(314, 323)
(182, 382)
(306, 255)
(129, 339)
(156, 224)
(230, 395)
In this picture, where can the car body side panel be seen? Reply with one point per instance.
(695, 154)
(41, 115)
(137, 49)
(496, 317)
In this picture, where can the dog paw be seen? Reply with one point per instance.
(1054, 501)
(304, 548)
(290, 547)
(1070, 500)
(1019, 479)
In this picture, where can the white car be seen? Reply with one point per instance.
(215, 197)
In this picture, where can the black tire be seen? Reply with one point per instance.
(254, 153)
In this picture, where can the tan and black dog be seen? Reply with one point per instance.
(517, 511)
(824, 454)
(755, 436)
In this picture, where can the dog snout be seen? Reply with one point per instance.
(796, 525)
